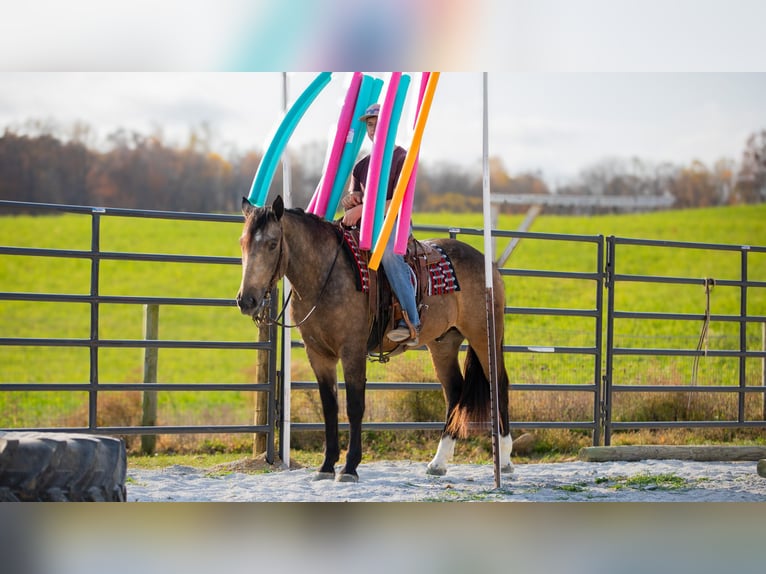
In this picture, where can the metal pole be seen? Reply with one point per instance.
(95, 247)
(494, 393)
(598, 397)
(286, 337)
(743, 335)
(149, 414)
(611, 252)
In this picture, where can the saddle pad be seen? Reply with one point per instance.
(357, 258)
(441, 274)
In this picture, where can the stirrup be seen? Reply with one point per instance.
(414, 341)
(398, 335)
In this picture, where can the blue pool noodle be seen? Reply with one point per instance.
(265, 173)
(351, 150)
(385, 168)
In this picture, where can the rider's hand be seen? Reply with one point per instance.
(351, 199)
(352, 216)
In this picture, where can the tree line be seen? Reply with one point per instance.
(144, 172)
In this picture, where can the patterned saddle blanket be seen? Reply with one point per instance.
(432, 268)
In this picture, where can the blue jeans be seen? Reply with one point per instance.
(399, 276)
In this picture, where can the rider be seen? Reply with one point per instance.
(397, 270)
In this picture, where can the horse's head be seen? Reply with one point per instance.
(264, 255)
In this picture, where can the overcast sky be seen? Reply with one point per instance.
(556, 123)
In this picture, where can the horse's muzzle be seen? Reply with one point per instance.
(246, 304)
(250, 305)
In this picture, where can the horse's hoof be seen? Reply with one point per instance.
(507, 469)
(323, 476)
(343, 477)
(436, 470)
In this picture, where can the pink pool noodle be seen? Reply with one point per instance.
(313, 202)
(341, 133)
(371, 191)
(403, 223)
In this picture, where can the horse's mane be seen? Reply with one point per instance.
(314, 222)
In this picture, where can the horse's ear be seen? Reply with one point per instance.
(247, 207)
(278, 207)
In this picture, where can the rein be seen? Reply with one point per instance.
(263, 318)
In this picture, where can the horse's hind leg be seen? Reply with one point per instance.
(444, 354)
(506, 441)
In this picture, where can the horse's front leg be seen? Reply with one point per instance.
(355, 375)
(325, 371)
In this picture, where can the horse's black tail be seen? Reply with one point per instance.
(473, 410)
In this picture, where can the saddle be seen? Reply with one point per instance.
(432, 273)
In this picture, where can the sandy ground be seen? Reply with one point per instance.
(643, 481)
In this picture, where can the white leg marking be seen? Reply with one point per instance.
(506, 446)
(438, 466)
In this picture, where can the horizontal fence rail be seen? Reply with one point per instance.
(618, 247)
(594, 345)
(593, 388)
(96, 342)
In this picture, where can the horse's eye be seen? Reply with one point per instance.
(272, 245)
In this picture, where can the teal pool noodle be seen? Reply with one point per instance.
(265, 173)
(354, 140)
(388, 153)
(369, 92)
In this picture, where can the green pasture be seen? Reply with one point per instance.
(742, 225)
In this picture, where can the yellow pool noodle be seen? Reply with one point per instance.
(404, 177)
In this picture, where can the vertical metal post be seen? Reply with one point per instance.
(149, 413)
(284, 423)
(763, 366)
(490, 299)
(601, 272)
(272, 394)
(742, 334)
(607, 393)
(95, 249)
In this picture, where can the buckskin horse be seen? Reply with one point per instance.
(335, 322)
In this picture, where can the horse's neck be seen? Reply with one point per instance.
(311, 248)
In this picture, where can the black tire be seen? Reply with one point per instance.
(42, 467)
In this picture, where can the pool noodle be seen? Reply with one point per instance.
(405, 215)
(409, 163)
(313, 202)
(376, 156)
(388, 153)
(341, 134)
(368, 94)
(315, 196)
(265, 173)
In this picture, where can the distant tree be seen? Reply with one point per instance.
(695, 186)
(751, 179)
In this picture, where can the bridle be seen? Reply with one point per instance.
(261, 316)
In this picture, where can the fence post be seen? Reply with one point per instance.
(149, 417)
(261, 398)
(763, 365)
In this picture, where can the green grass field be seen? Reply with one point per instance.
(742, 225)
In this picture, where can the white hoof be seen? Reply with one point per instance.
(507, 469)
(438, 466)
(436, 470)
